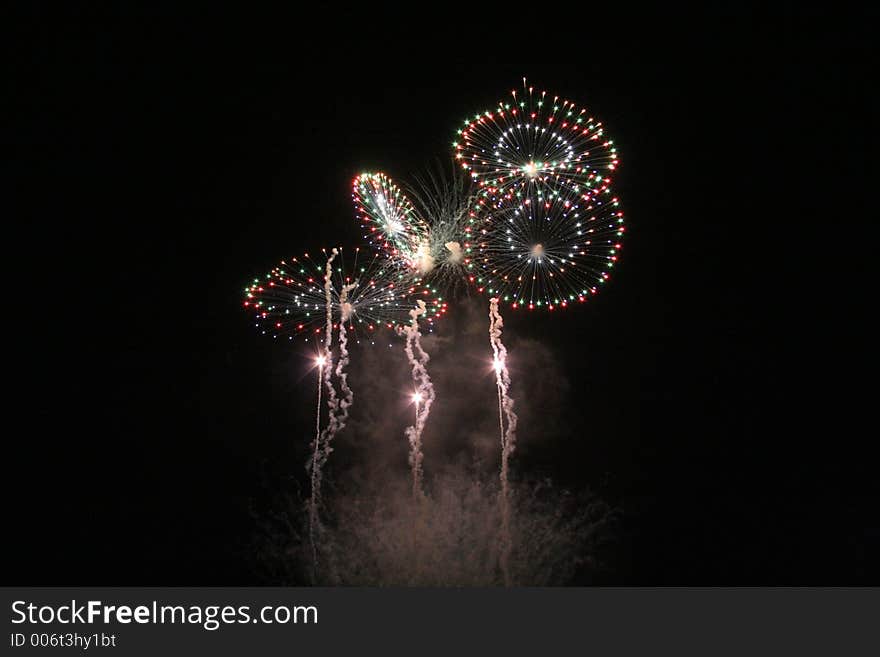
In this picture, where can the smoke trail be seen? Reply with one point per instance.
(508, 436)
(320, 451)
(348, 396)
(316, 477)
(418, 359)
(338, 408)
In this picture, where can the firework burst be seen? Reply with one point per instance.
(444, 199)
(534, 141)
(290, 300)
(547, 227)
(546, 250)
(388, 217)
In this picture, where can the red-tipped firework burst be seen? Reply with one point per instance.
(534, 141)
(548, 228)
(290, 301)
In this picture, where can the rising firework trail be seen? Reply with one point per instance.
(423, 396)
(508, 433)
(338, 407)
(319, 454)
(348, 396)
(316, 448)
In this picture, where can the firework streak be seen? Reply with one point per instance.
(424, 395)
(508, 434)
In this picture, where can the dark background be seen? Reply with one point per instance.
(159, 160)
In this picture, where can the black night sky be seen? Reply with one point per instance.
(715, 389)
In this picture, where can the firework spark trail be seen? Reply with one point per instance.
(313, 501)
(424, 395)
(348, 396)
(319, 454)
(338, 408)
(508, 436)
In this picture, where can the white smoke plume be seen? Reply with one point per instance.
(455, 254)
(424, 261)
(376, 532)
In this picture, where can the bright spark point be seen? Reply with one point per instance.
(498, 365)
(417, 397)
(531, 169)
(321, 360)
